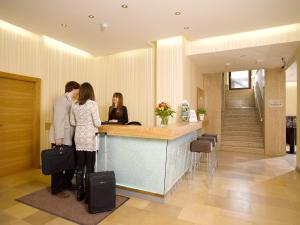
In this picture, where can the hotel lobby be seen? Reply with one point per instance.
(211, 91)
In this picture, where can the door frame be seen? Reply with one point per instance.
(36, 116)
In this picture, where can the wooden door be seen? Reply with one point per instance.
(200, 98)
(19, 123)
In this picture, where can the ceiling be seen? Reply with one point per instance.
(143, 21)
(246, 59)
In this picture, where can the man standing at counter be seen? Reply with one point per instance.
(62, 133)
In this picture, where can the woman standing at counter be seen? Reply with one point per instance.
(117, 111)
(85, 117)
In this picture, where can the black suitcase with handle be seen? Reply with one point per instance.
(58, 159)
(101, 191)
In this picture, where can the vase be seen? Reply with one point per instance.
(164, 121)
(201, 117)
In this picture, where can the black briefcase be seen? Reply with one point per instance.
(101, 191)
(58, 159)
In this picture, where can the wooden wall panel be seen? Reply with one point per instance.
(213, 101)
(274, 118)
(297, 60)
(132, 74)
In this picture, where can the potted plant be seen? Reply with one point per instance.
(201, 112)
(164, 111)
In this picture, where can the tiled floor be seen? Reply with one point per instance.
(246, 189)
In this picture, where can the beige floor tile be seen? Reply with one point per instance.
(20, 211)
(164, 209)
(19, 222)
(6, 218)
(197, 213)
(137, 203)
(60, 221)
(246, 189)
(39, 218)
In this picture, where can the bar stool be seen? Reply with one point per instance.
(199, 147)
(210, 159)
(211, 135)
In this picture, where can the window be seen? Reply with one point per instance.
(240, 80)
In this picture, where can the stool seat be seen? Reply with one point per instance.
(211, 135)
(204, 146)
(211, 139)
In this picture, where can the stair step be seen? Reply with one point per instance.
(242, 149)
(241, 128)
(240, 116)
(239, 112)
(242, 138)
(243, 144)
(242, 133)
(241, 124)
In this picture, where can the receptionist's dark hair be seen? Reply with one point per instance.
(120, 104)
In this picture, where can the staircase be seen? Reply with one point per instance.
(241, 131)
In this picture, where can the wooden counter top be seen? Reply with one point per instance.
(166, 133)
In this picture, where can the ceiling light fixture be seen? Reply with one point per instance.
(186, 28)
(177, 13)
(103, 27)
(124, 6)
(91, 16)
(63, 25)
(227, 64)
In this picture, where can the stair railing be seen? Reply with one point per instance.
(259, 102)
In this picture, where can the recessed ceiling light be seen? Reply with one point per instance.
(227, 64)
(91, 16)
(124, 6)
(177, 13)
(186, 28)
(64, 25)
(103, 26)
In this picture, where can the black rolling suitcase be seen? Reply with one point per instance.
(101, 191)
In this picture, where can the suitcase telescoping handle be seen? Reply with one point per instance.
(98, 135)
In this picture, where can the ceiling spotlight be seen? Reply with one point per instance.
(227, 64)
(64, 25)
(124, 6)
(91, 16)
(177, 13)
(186, 28)
(103, 26)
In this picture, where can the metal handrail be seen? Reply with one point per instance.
(257, 94)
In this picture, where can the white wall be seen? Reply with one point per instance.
(291, 99)
(132, 74)
(25, 53)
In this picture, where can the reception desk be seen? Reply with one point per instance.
(147, 160)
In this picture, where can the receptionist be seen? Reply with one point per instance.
(117, 111)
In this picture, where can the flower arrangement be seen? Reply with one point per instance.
(164, 111)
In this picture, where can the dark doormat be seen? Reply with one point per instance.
(67, 208)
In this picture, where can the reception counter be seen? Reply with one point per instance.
(147, 160)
